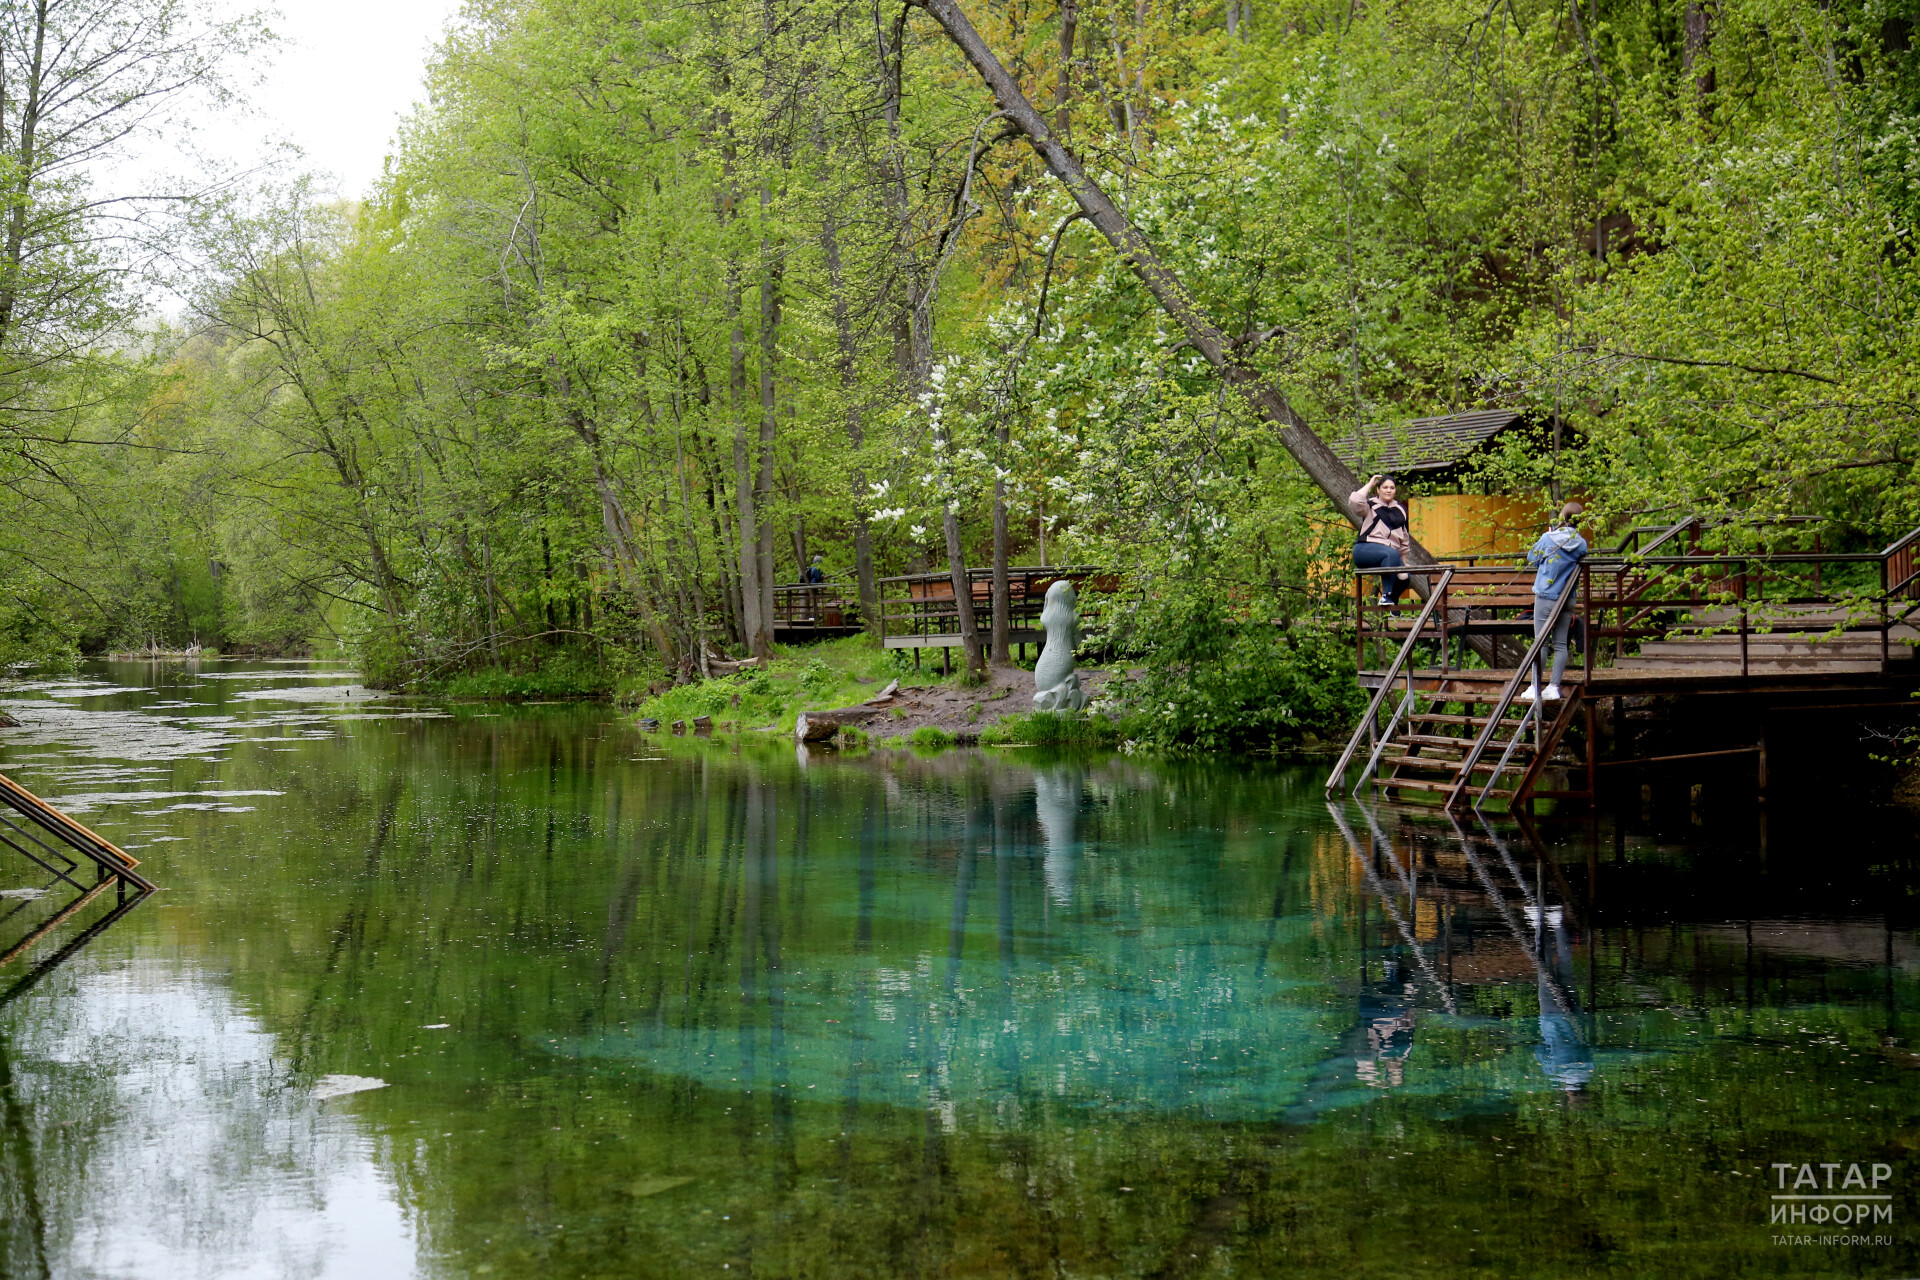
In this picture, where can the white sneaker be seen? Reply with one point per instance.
(1552, 694)
(1531, 693)
(1386, 600)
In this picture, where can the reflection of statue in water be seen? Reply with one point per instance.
(1056, 800)
(1056, 687)
(1562, 1054)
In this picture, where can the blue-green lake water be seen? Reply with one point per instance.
(472, 990)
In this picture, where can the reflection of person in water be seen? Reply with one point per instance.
(1385, 1032)
(1562, 1053)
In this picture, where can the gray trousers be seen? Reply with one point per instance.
(1542, 607)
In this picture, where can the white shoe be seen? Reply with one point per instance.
(1387, 601)
(1552, 694)
(1531, 693)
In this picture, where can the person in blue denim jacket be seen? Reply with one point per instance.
(1557, 556)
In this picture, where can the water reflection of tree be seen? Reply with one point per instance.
(597, 929)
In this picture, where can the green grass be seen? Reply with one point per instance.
(930, 737)
(1051, 729)
(816, 677)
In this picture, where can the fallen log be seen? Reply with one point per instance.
(824, 726)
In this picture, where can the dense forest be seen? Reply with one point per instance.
(659, 299)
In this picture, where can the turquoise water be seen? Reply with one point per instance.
(464, 990)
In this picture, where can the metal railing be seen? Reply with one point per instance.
(1529, 668)
(1400, 664)
(1633, 595)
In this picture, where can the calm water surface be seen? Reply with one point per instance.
(661, 1007)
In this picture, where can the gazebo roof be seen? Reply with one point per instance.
(1425, 445)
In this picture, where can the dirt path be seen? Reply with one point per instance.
(965, 712)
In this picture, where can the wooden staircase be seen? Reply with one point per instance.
(1462, 756)
(1426, 755)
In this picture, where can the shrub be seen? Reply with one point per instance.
(1213, 684)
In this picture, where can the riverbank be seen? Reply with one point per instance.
(767, 697)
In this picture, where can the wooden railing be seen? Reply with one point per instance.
(918, 611)
(49, 838)
(816, 604)
(1648, 588)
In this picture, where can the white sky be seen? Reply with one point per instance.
(345, 73)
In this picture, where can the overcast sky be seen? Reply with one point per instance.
(345, 73)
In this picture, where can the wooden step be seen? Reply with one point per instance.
(1423, 764)
(1462, 744)
(1417, 784)
(1435, 717)
(1434, 764)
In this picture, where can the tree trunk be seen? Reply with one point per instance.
(1320, 462)
(847, 356)
(922, 280)
(752, 619)
(1698, 36)
(1002, 591)
(1063, 93)
(25, 171)
(769, 358)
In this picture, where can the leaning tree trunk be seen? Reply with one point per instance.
(1320, 463)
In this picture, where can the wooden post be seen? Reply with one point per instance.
(1593, 749)
(1762, 750)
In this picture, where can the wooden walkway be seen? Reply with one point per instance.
(1656, 617)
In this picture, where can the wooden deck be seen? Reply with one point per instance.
(815, 611)
(1666, 621)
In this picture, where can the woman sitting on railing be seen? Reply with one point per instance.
(1557, 555)
(1383, 540)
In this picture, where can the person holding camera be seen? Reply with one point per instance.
(1383, 541)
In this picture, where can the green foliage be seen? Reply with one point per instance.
(930, 737)
(561, 675)
(1217, 684)
(654, 300)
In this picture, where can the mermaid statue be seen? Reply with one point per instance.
(1056, 685)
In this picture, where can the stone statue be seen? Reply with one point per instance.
(1056, 687)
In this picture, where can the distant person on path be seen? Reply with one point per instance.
(1383, 540)
(1557, 556)
(817, 571)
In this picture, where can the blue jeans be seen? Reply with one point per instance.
(1374, 555)
(1542, 606)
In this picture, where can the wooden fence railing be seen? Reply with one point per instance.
(917, 611)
